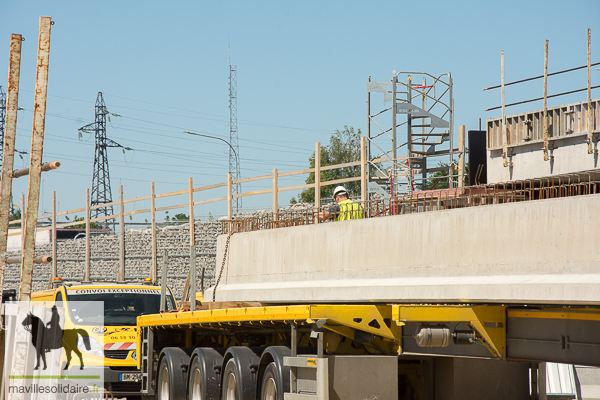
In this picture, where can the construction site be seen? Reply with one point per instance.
(471, 272)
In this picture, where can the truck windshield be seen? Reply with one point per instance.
(122, 306)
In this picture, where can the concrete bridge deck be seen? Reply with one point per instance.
(540, 252)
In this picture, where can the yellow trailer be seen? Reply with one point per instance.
(359, 351)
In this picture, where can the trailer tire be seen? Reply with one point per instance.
(281, 374)
(238, 381)
(204, 380)
(271, 389)
(172, 374)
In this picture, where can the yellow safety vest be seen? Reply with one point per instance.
(349, 210)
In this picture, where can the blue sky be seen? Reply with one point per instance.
(302, 72)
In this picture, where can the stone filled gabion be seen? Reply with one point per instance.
(138, 250)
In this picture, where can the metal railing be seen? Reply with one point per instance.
(558, 186)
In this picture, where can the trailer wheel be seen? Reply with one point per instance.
(270, 389)
(240, 374)
(278, 381)
(231, 382)
(204, 374)
(172, 374)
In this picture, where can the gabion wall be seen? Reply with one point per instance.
(138, 252)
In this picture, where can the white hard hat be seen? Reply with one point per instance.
(339, 190)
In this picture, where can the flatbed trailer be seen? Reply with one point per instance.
(361, 351)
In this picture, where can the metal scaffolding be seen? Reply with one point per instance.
(423, 107)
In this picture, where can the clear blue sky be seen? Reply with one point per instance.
(302, 72)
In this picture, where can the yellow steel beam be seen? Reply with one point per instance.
(488, 321)
(227, 315)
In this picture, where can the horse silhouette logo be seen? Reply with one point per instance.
(50, 336)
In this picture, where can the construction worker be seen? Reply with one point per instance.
(344, 209)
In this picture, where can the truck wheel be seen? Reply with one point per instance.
(204, 380)
(231, 382)
(172, 378)
(270, 389)
(239, 375)
(278, 382)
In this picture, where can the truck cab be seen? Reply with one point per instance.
(113, 340)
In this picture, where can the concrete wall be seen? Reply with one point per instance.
(138, 251)
(570, 155)
(537, 252)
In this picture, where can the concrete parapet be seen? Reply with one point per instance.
(544, 251)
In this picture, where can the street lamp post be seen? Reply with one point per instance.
(221, 139)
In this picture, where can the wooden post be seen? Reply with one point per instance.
(193, 289)
(590, 113)
(86, 273)
(191, 219)
(154, 266)
(545, 122)
(504, 135)
(9, 152)
(23, 218)
(192, 274)
(363, 170)
(121, 273)
(317, 178)
(35, 165)
(188, 282)
(275, 194)
(229, 197)
(54, 273)
(461, 155)
(163, 280)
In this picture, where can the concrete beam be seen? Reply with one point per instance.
(530, 252)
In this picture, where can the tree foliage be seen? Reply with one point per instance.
(439, 179)
(93, 225)
(344, 147)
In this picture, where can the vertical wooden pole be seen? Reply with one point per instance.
(54, 273)
(35, 165)
(121, 273)
(154, 266)
(461, 155)
(23, 219)
(86, 273)
(191, 206)
(193, 289)
(504, 135)
(317, 178)
(192, 274)
(545, 122)
(10, 129)
(590, 113)
(275, 195)
(363, 170)
(229, 198)
(163, 281)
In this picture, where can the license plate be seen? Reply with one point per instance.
(130, 377)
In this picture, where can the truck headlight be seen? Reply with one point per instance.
(89, 345)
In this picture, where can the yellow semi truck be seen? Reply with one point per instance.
(111, 344)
